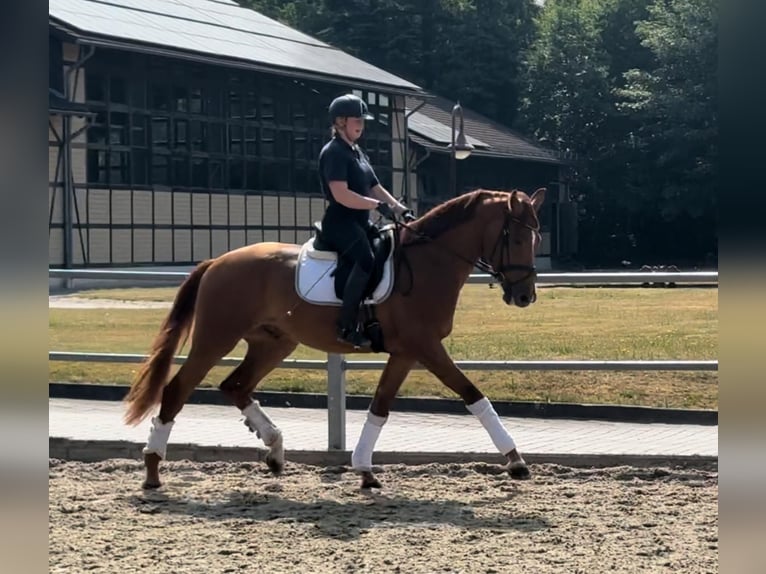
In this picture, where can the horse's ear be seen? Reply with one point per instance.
(514, 203)
(537, 198)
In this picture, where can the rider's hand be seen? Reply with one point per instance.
(408, 216)
(386, 210)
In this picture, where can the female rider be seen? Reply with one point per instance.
(350, 185)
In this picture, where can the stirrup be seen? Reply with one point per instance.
(354, 337)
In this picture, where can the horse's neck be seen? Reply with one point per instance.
(466, 241)
(457, 250)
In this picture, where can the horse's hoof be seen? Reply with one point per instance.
(275, 466)
(151, 484)
(520, 472)
(275, 458)
(369, 481)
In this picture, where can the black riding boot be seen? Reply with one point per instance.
(348, 322)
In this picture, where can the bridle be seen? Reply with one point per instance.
(502, 242)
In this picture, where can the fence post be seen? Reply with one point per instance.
(336, 402)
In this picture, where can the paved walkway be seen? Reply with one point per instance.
(307, 430)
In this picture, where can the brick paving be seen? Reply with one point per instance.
(307, 430)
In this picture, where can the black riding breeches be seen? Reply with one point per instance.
(349, 237)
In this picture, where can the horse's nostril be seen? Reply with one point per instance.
(524, 299)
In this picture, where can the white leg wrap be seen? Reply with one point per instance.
(264, 427)
(361, 458)
(158, 437)
(485, 412)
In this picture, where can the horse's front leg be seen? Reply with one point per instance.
(396, 370)
(436, 360)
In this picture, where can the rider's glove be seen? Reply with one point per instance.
(385, 210)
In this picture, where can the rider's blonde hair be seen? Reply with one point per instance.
(339, 123)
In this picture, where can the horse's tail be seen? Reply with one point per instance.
(146, 390)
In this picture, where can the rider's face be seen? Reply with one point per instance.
(354, 128)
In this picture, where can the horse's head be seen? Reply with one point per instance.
(514, 243)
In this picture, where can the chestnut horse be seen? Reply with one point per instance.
(249, 293)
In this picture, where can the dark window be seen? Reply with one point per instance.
(252, 175)
(199, 172)
(283, 111)
(181, 142)
(55, 65)
(236, 178)
(299, 115)
(213, 106)
(276, 176)
(384, 152)
(160, 97)
(251, 105)
(180, 172)
(251, 140)
(160, 133)
(198, 135)
(314, 186)
(196, 101)
(284, 139)
(160, 169)
(300, 146)
(119, 167)
(95, 87)
(137, 88)
(118, 128)
(117, 91)
(138, 130)
(267, 109)
(216, 137)
(235, 139)
(316, 146)
(180, 100)
(98, 128)
(140, 163)
(268, 136)
(235, 103)
(97, 168)
(301, 180)
(216, 168)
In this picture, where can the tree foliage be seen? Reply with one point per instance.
(630, 86)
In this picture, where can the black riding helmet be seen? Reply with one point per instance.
(349, 106)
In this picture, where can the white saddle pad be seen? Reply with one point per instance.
(315, 283)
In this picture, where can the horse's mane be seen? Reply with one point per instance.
(451, 213)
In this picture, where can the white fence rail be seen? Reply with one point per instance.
(589, 278)
(336, 365)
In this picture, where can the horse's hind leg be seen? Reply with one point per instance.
(265, 351)
(174, 396)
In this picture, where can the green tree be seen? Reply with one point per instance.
(631, 88)
(676, 100)
(566, 77)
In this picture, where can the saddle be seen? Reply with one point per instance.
(321, 274)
